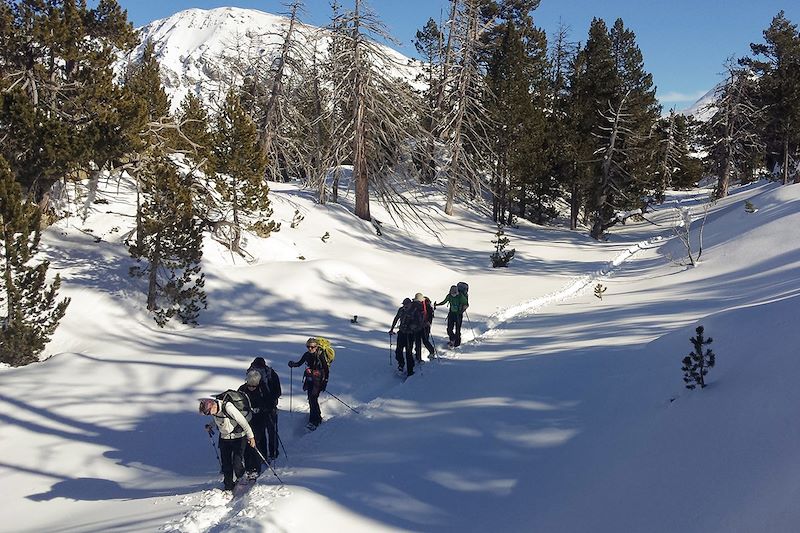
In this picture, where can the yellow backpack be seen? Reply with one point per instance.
(327, 349)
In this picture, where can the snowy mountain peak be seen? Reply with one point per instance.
(196, 47)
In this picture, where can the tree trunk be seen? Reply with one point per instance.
(152, 284)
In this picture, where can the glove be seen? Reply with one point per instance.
(391, 332)
(434, 306)
(292, 364)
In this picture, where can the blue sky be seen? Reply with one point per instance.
(685, 43)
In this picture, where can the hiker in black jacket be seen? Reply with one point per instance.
(271, 385)
(405, 337)
(315, 379)
(259, 404)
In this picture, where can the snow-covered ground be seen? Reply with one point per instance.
(561, 411)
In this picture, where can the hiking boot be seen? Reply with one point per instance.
(410, 373)
(400, 368)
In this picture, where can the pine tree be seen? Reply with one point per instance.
(501, 257)
(30, 312)
(194, 138)
(61, 108)
(239, 163)
(169, 248)
(429, 43)
(776, 62)
(561, 131)
(593, 84)
(696, 364)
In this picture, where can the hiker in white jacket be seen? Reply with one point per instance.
(233, 430)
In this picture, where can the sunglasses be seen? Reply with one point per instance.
(311, 346)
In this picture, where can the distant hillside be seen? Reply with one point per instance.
(194, 45)
(703, 109)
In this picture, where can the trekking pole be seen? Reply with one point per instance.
(342, 402)
(268, 464)
(291, 388)
(433, 342)
(210, 431)
(470, 325)
(280, 441)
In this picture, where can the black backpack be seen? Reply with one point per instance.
(238, 399)
(414, 318)
(463, 288)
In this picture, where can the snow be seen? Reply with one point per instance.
(196, 48)
(560, 412)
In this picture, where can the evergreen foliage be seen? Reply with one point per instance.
(61, 112)
(30, 310)
(239, 163)
(169, 247)
(776, 64)
(501, 257)
(696, 364)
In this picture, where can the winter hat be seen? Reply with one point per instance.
(407, 301)
(205, 405)
(419, 297)
(258, 362)
(253, 378)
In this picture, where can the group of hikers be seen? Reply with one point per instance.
(247, 418)
(414, 319)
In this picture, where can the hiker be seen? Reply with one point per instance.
(271, 385)
(258, 406)
(315, 379)
(423, 336)
(234, 433)
(458, 304)
(405, 337)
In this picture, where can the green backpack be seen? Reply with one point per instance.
(327, 349)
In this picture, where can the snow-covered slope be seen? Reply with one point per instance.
(703, 109)
(195, 47)
(561, 411)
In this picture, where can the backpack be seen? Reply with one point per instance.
(414, 319)
(238, 399)
(270, 383)
(427, 308)
(327, 349)
(463, 288)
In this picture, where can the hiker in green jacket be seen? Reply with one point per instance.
(458, 304)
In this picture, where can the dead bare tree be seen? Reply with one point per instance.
(464, 129)
(377, 112)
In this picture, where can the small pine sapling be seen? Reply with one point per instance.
(599, 289)
(749, 207)
(326, 237)
(296, 219)
(501, 257)
(696, 364)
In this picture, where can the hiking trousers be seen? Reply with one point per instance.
(405, 342)
(231, 453)
(423, 337)
(314, 412)
(272, 432)
(454, 327)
